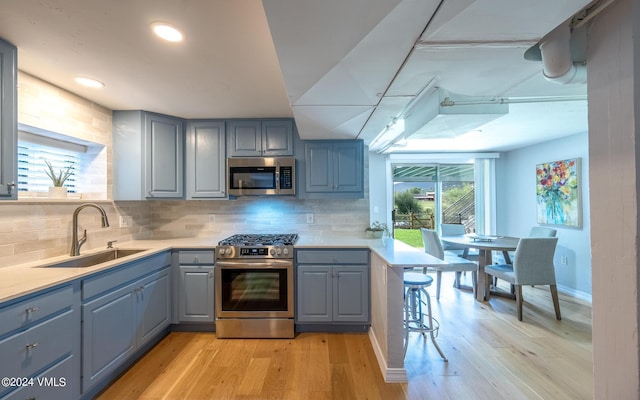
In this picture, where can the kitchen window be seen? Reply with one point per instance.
(87, 160)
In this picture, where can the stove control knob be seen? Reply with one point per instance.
(285, 251)
(272, 252)
(279, 251)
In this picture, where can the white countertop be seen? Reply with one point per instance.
(23, 279)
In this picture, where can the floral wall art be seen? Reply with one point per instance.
(558, 193)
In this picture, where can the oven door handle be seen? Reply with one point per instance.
(249, 264)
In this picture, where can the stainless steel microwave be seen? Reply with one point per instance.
(261, 176)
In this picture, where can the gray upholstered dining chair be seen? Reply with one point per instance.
(532, 265)
(455, 230)
(535, 231)
(433, 246)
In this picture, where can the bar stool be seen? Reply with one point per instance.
(415, 285)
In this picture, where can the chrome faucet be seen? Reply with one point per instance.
(77, 243)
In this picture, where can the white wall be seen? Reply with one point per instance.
(516, 207)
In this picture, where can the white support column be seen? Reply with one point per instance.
(614, 153)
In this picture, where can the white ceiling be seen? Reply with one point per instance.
(341, 68)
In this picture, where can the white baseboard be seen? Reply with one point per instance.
(390, 375)
(575, 293)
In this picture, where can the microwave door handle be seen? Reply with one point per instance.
(277, 177)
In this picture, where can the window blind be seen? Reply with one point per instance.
(31, 166)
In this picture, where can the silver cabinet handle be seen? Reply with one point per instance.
(32, 345)
(31, 310)
(10, 187)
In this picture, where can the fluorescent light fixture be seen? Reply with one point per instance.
(167, 32)
(388, 136)
(88, 82)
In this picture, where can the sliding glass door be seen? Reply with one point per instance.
(426, 195)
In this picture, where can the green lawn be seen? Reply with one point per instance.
(412, 237)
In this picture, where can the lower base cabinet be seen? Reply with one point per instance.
(54, 383)
(195, 291)
(333, 287)
(39, 345)
(196, 294)
(118, 322)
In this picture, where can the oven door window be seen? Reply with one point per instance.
(254, 290)
(252, 178)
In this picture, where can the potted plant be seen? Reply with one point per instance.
(58, 191)
(376, 230)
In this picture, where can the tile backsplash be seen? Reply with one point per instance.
(32, 231)
(173, 219)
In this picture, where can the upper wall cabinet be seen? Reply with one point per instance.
(205, 160)
(335, 167)
(148, 156)
(260, 138)
(8, 120)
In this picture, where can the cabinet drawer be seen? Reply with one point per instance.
(27, 352)
(57, 382)
(333, 256)
(123, 274)
(193, 257)
(33, 309)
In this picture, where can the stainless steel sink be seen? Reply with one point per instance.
(95, 259)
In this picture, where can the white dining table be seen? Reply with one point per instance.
(485, 244)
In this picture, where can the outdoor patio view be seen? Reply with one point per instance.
(428, 195)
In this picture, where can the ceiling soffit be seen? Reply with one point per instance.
(363, 62)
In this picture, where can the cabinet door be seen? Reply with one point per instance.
(205, 160)
(351, 294)
(277, 138)
(314, 291)
(108, 334)
(153, 302)
(348, 167)
(196, 294)
(8, 121)
(244, 138)
(164, 149)
(319, 167)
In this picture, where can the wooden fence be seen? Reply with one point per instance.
(414, 221)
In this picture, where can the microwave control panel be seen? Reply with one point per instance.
(286, 178)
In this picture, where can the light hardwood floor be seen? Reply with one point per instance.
(491, 356)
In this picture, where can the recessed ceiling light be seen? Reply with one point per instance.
(167, 32)
(88, 82)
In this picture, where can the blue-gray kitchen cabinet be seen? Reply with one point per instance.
(205, 159)
(260, 138)
(332, 286)
(40, 344)
(148, 155)
(196, 289)
(315, 293)
(8, 121)
(123, 310)
(335, 167)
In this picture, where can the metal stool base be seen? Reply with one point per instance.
(414, 317)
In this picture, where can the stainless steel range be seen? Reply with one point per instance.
(254, 286)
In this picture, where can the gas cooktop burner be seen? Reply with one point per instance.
(287, 239)
(257, 246)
